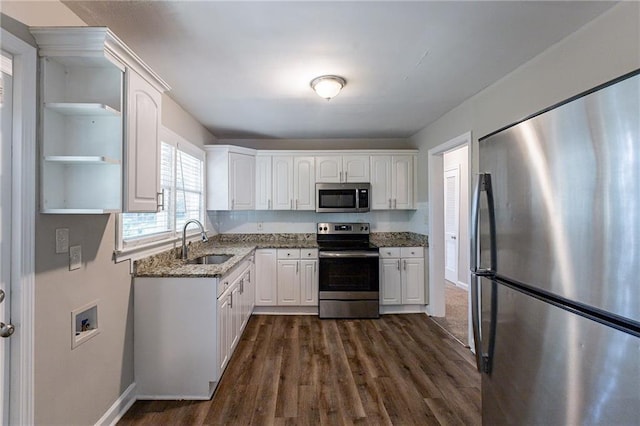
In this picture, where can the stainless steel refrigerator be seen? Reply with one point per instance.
(556, 263)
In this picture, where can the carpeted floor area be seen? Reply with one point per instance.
(455, 320)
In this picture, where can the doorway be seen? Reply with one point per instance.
(17, 178)
(449, 277)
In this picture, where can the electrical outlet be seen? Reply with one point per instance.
(75, 257)
(259, 224)
(62, 240)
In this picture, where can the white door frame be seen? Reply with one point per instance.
(23, 221)
(436, 305)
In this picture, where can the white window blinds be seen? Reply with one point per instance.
(182, 183)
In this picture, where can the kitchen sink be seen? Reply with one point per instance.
(212, 259)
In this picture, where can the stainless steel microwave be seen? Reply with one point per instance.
(343, 197)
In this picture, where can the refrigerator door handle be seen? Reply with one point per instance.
(483, 184)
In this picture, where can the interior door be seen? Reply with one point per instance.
(6, 116)
(451, 222)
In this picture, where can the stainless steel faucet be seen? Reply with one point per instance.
(184, 236)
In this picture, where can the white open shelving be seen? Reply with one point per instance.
(81, 135)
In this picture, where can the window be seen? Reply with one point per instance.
(182, 183)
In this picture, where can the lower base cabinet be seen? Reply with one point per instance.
(186, 330)
(402, 276)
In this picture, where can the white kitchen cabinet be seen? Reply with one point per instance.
(297, 277)
(309, 282)
(190, 324)
(293, 183)
(304, 183)
(390, 281)
(282, 176)
(393, 182)
(342, 169)
(264, 182)
(230, 178)
(402, 276)
(266, 274)
(94, 90)
(175, 325)
(288, 282)
(143, 115)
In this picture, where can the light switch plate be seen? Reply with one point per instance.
(75, 257)
(62, 240)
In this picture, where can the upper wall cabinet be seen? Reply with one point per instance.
(342, 168)
(285, 182)
(230, 178)
(91, 91)
(393, 182)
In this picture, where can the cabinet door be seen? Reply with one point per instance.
(236, 316)
(402, 172)
(304, 183)
(356, 168)
(381, 198)
(263, 182)
(413, 281)
(390, 282)
(266, 277)
(241, 181)
(309, 282)
(329, 168)
(142, 145)
(224, 332)
(282, 182)
(288, 282)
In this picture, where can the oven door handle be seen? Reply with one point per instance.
(348, 254)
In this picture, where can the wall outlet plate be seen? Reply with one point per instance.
(75, 257)
(62, 240)
(260, 226)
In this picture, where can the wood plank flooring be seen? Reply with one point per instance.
(300, 370)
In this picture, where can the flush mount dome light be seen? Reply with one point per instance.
(328, 86)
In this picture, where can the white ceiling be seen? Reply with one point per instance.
(243, 68)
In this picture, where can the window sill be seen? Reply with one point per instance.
(149, 249)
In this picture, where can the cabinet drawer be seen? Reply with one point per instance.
(387, 252)
(412, 252)
(288, 253)
(308, 253)
(223, 285)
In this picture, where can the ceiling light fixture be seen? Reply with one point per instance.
(328, 86)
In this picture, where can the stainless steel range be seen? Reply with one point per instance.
(349, 271)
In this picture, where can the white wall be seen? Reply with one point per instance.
(460, 158)
(174, 117)
(605, 48)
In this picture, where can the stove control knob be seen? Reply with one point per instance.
(366, 228)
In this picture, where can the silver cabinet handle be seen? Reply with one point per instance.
(340, 176)
(296, 204)
(231, 300)
(6, 330)
(398, 264)
(404, 265)
(297, 265)
(291, 203)
(242, 286)
(269, 204)
(453, 237)
(315, 266)
(233, 202)
(395, 203)
(389, 202)
(345, 176)
(160, 204)
(1, 296)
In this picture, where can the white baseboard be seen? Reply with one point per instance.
(402, 309)
(462, 285)
(119, 407)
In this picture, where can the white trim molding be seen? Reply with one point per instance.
(119, 408)
(21, 409)
(436, 305)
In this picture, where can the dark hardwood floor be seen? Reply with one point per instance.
(299, 370)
